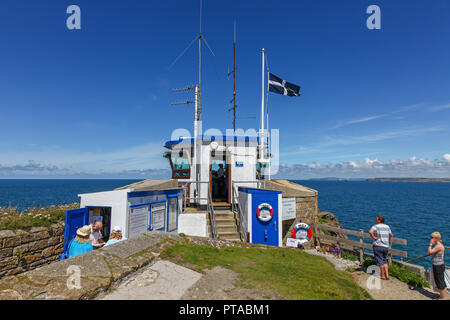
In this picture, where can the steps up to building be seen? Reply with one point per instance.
(226, 225)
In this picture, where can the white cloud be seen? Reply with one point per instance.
(327, 142)
(440, 108)
(414, 167)
(344, 123)
(446, 157)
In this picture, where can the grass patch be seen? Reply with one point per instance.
(401, 273)
(12, 219)
(349, 256)
(291, 273)
(322, 220)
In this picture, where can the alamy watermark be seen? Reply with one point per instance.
(74, 279)
(73, 22)
(374, 281)
(236, 143)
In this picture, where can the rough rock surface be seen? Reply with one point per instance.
(98, 270)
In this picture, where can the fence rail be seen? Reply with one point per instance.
(361, 244)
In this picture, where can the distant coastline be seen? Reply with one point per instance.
(411, 179)
(383, 179)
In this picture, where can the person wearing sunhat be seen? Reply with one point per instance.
(81, 244)
(115, 236)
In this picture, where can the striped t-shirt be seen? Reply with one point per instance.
(382, 231)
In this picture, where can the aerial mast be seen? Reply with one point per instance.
(234, 79)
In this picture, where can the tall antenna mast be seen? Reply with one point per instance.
(198, 116)
(234, 80)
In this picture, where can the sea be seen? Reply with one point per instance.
(412, 209)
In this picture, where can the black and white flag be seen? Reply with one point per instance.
(283, 87)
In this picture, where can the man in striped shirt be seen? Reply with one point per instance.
(381, 234)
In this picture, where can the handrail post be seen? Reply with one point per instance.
(390, 252)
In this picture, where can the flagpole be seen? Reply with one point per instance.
(261, 151)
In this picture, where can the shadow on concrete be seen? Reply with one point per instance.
(426, 293)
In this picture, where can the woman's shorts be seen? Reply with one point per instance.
(438, 272)
(380, 254)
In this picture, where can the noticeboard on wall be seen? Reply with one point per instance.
(158, 214)
(289, 210)
(173, 211)
(138, 222)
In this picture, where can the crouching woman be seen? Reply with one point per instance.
(81, 244)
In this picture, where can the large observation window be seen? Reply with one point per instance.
(180, 164)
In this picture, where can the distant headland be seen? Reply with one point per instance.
(411, 179)
(383, 179)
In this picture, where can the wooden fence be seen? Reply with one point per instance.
(361, 244)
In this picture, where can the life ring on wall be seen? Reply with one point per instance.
(264, 212)
(303, 231)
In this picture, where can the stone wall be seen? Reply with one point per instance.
(306, 200)
(21, 251)
(99, 270)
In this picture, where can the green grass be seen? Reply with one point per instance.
(403, 274)
(291, 273)
(12, 219)
(322, 220)
(349, 256)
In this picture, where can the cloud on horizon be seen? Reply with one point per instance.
(367, 168)
(37, 170)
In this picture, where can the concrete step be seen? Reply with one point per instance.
(226, 223)
(226, 229)
(225, 214)
(233, 236)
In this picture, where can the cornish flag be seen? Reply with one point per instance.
(283, 87)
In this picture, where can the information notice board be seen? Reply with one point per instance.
(158, 215)
(173, 211)
(138, 223)
(289, 210)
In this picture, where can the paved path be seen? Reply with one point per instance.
(163, 280)
(392, 289)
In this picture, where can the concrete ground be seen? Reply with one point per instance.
(392, 289)
(163, 280)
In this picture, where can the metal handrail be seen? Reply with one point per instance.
(235, 206)
(239, 212)
(212, 216)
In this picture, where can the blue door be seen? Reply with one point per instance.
(265, 218)
(75, 219)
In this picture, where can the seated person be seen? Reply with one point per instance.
(96, 236)
(115, 236)
(81, 244)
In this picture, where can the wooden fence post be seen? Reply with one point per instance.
(361, 249)
(390, 253)
(316, 232)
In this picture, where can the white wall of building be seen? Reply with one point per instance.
(193, 224)
(116, 199)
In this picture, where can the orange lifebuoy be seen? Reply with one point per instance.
(305, 229)
(264, 217)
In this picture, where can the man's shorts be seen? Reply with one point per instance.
(380, 254)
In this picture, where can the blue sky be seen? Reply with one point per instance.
(95, 102)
